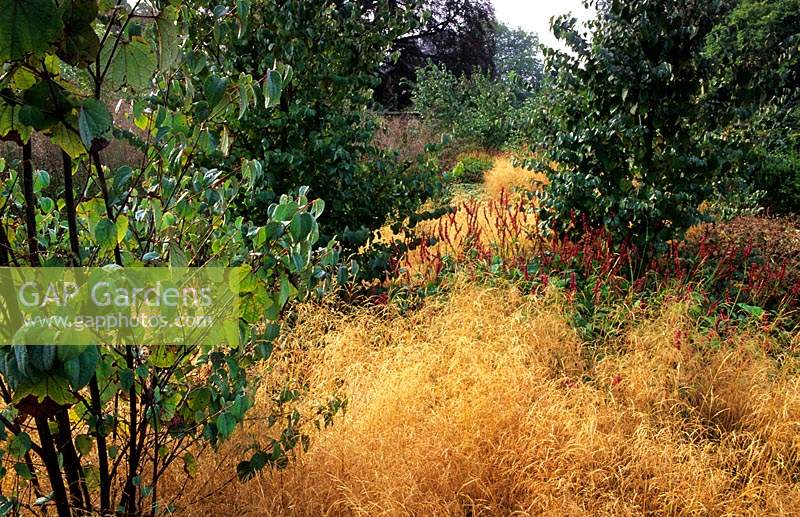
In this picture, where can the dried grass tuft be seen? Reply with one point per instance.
(505, 177)
(484, 402)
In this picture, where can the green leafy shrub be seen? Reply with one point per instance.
(760, 164)
(526, 122)
(319, 131)
(755, 50)
(779, 178)
(752, 103)
(89, 430)
(618, 121)
(769, 158)
(733, 196)
(476, 110)
(470, 169)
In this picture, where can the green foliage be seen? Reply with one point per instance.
(320, 132)
(777, 173)
(141, 404)
(470, 169)
(94, 124)
(477, 110)
(517, 51)
(619, 120)
(733, 197)
(756, 52)
(27, 26)
(753, 102)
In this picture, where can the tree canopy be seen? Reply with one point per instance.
(518, 51)
(456, 34)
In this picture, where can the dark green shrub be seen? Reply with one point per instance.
(762, 162)
(619, 120)
(321, 133)
(733, 196)
(752, 103)
(777, 175)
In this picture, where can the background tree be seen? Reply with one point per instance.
(756, 53)
(518, 51)
(475, 110)
(753, 100)
(458, 35)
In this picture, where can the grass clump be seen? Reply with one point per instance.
(470, 168)
(504, 176)
(500, 372)
(483, 402)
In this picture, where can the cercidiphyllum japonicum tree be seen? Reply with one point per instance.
(89, 430)
(320, 132)
(619, 119)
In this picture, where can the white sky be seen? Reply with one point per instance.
(534, 15)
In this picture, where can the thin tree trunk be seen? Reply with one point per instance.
(104, 191)
(72, 219)
(128, 500)
(79, 493)
(50, 458)
(30, 204)
(102, 451)
(3, 250)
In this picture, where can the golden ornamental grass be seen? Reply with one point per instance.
(505, 177)
(501, 220)
(484, 403)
